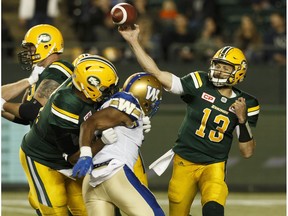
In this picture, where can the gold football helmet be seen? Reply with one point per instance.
(96, 77)
(231, 56)
(147, 89)
(40, 42)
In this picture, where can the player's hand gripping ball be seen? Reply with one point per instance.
(124, 14)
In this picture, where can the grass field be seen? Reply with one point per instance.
(238, 204)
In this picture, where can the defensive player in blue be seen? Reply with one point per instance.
(139, 167)
(112, 181)
(215, 108)
(56, 130)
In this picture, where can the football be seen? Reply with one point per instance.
(124, 14)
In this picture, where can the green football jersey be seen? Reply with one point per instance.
(58, 71)
(206, 133)
(57, 124)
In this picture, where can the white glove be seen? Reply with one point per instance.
(146, 124)
(2, 103)
(109, 136)
(33, 78)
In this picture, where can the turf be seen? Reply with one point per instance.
(238, 204)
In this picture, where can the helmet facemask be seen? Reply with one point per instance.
(28, 56)
(154, 107)
(108, 92)
(216, 75)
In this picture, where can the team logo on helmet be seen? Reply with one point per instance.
(44, 38)
(152, 93)
(94, 81)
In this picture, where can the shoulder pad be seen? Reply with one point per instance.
(62, 66)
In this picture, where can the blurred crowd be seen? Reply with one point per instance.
(185, 30)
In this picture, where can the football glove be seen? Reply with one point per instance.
(84, 163)
(146, 124)
(33, 78)
(109, 136)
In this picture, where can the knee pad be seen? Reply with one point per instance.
(213, 208)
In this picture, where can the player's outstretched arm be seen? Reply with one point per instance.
(12, 90)
(10, 110)
(146, 62)
(28, 111)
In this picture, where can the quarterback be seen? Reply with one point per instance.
(112, 181)
(54, 136)
(215, 108)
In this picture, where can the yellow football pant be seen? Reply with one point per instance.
(50, 191)
(188, 177)
(139, 170)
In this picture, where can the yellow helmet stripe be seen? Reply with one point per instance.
(64, 114)
(196, 79)
(101, 59)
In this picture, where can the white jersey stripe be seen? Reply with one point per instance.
(37, 183)
(256, 112)
(195, 80)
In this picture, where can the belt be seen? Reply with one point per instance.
(101, 164)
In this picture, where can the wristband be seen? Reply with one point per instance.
(85, 151)
(29, 110)
(245, 133)
(20, 121)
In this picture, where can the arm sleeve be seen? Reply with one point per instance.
(176, 87)
(253, 110)
(20, 121)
